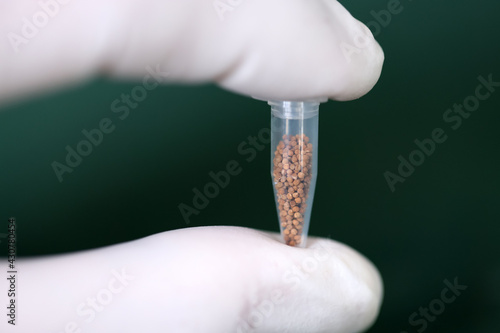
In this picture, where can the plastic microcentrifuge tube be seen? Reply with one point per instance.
(294, 165)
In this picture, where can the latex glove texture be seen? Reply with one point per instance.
(273, 49)
(207, 279)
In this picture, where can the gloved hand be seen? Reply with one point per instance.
(200, 280)
(272, 49)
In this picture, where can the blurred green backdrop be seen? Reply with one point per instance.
(441, 223)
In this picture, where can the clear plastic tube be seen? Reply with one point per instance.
(294, 165)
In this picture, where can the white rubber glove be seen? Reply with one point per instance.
(273, 49)
(199, 280)
(202, 279)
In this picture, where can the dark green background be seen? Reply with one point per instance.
(442, 223)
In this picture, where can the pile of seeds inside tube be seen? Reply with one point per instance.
(292, 177)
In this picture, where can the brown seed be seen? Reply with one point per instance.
(292, 177)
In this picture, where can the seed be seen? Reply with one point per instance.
(292, 163)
